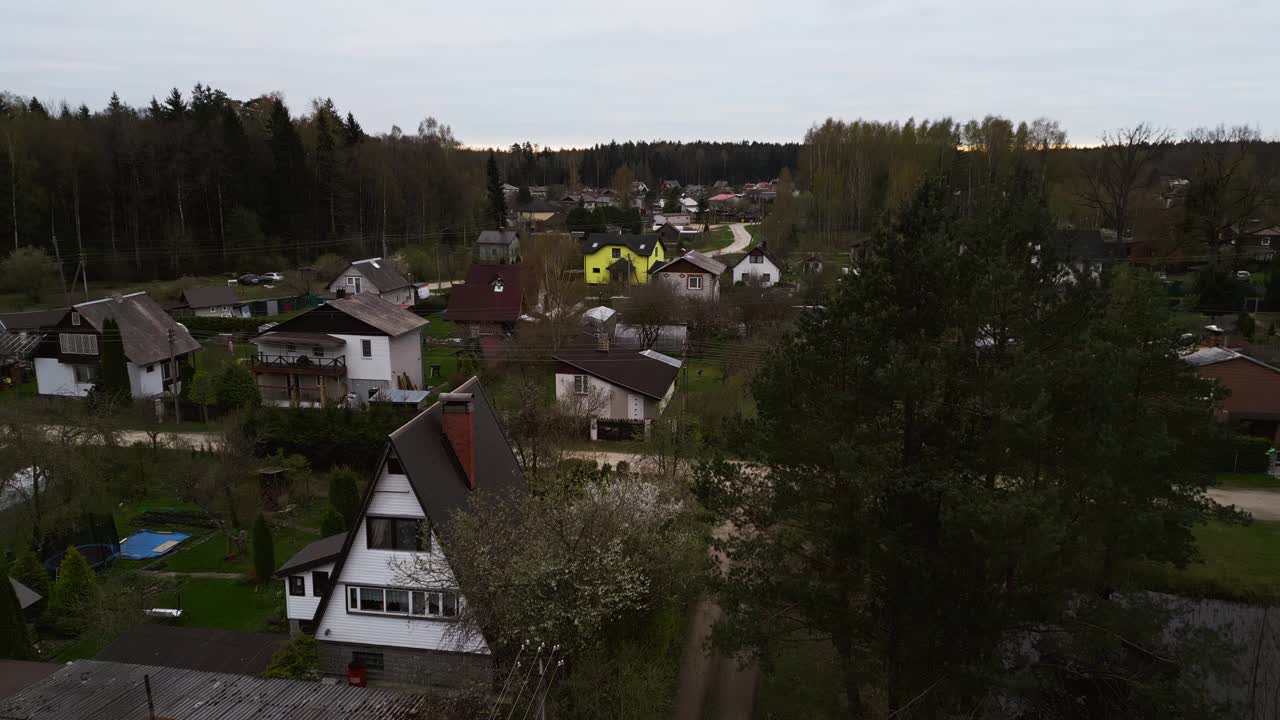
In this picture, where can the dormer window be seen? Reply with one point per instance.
(497, 285)
(75, 318)
(617, 252)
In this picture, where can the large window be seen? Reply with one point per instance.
(367, 660)
(695, 282)
(319, 583)
(297, 585)
(580, 384)
(403, 602)
(382, 533)
(85, 373)
(78, 344)
(757, 259)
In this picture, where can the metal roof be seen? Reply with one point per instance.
(396, 396)
(34, 320)
(316, 553)
(698, 260)
(639, 244)
(378, 272)
(496, 237)
(299, 338)
(204, 297)
(373, 310)
(98, 690)
(643, 373)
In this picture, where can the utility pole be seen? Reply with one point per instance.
(173, 380)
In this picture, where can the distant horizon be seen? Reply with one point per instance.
(565, 75)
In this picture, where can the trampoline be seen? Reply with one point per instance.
(147, 544)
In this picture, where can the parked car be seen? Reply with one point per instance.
(1242, 274)
(272, 276)
(249, 279)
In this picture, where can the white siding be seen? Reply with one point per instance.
(394, 497)
(745, 270)
(402, 296)
(603, 399)
(215, 311)
(304, 607)
(406, 357)
(377, 367)
(145, 384)
(55, 378)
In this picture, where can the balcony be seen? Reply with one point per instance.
(308, 364)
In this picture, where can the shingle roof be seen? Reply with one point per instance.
(379, 273)
(639, 244)
(497, 237)
(317, 553)
(476, 299)
(144, 327)
(373, 310)
(203, 297)
(99, 690)
(695, 258)
(34, 320)
(226, 651)
(644, 374)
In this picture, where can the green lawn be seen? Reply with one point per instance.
(713, 239)
(209, 553)
(1239, 563)
(437, 328)
(1251, 481)
(445, 357)
(229, 604)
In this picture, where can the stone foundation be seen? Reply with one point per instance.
(433, 669)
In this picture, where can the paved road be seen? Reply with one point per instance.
(1262, 504)
(741, 240)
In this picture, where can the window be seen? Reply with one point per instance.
(695, 282)
(394, 467)
(297, 585)
(78, 344)
(75, 319)
(351, 280)
(766, 277)
(757, 259)
(151, 368)
(617, 252)
(317, 351)
(433, 371)
(367, 660)
(319, 583)
(366, 348)
(394, 534)
(290, 347)
(85, 373)
(166, 370)
(403, 602)
(595, 270)
(580, 384)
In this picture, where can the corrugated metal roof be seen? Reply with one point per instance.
(299, 338)
(97, 690)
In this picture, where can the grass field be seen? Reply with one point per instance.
(227, 604)
(1239, 563)
(208, 553)
(713, 239)
(1251, 481)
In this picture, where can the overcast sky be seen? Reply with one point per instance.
(563, 72)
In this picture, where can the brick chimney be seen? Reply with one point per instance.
(457, 418)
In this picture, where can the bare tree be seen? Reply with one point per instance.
(557, 296)
(1231, 185)
(1118, 169)
(651, 307)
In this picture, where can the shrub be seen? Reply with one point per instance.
(237, 389)
(332, 523)
(328, 436)
(297, 659)
(74, 598)
(1242, 453)
(264, 552)
(28, 571)
(15, 644)
(344, 495)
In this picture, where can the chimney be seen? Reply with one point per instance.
(459, 428)
(602, 341)
(342, 292)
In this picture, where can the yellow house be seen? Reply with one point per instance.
(624, 259)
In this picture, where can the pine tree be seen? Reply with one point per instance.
(332, 523)
(264, 552)
(344, 496)
(15, 643)
(28, 571)
(114, 374)
(497, 198)
(237, 389)
(74, 598)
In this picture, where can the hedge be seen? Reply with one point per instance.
(1243, 454)
(327, 436)
(238, 325)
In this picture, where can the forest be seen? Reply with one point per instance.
(200, 182)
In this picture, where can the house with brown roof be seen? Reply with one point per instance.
(69, 356)
(377, 604)
(489, 302)
(218, 301)
(1253, 399)
(345, 350)
(374, 276)
(693, 276)
(604, 381)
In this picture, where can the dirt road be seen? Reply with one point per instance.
(1262, 504)
(741, 241)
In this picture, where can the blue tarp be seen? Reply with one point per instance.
(148, 544)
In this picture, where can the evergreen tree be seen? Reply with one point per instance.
(237, 389)
(298, 659)
(284, 217)
(15, 643)
(74, 599)
(203, 390)
(28, 571)
(264, 552)
(344, 494)
(332, 523)
(113, 376)
(1273, 285)
(497, 198)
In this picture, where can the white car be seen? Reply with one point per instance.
(1242, 274)
(274, 276)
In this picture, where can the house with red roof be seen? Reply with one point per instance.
(489, 302)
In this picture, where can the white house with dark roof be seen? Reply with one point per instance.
(757, 267)
(69, 357)
(403, 627)
(605, 381)
(374, 276)
(218, 301)
(345, 350)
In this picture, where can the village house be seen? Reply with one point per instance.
(69, 358)
(812, 265)
(1253, 404)
(498, 246)
(367, 595)
(537, 212)
(374, 276)
(757, 267)
(607, 382)
(693, 276)
(345, 350)
(489, 302)
(620, 258)
(219, 301)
